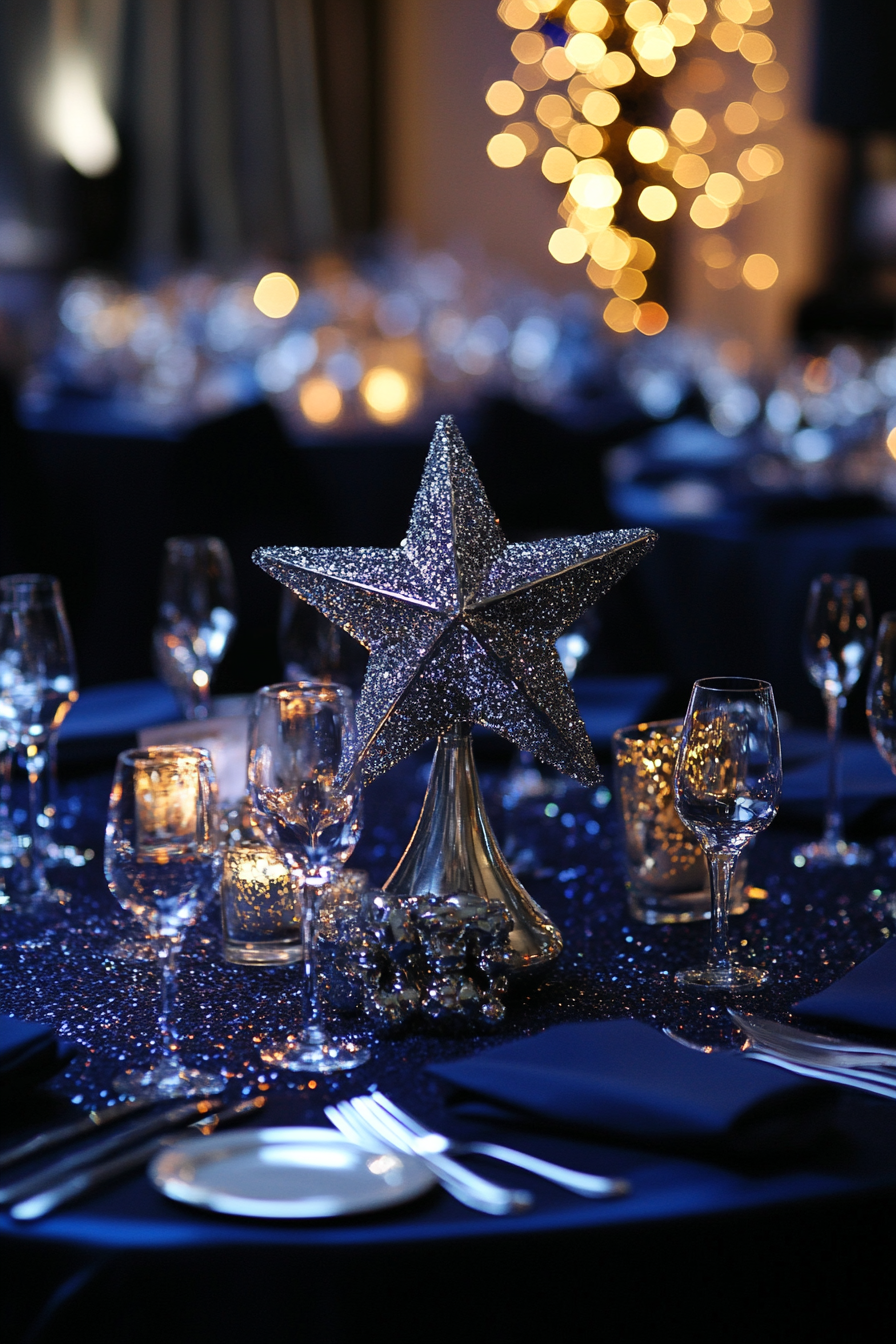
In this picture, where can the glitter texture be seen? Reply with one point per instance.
(460, 624)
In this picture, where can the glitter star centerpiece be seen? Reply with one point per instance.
(460, 624)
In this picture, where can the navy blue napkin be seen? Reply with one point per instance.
(866, 995)
(29, 1053)
(626, 1077)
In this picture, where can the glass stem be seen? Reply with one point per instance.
(167, 954)
(833, 819)
(35, 767)
(721, 869)
(310, 895)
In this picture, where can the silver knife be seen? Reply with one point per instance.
(51, 1197)
(173, 1118)
(87, 1123)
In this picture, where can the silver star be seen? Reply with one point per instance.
(460, 625)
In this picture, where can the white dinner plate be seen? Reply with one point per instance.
(287, 1173)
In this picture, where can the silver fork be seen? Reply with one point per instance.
(579, 1182)
(375, 1130)
(843, 1054)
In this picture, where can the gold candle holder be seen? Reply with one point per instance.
(668, 881)
(260, 908)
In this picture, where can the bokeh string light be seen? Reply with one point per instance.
(615, 168)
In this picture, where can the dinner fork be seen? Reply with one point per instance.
(579, 1182)
(369, 1131)
(844, 1054)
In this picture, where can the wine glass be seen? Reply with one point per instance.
(306, 789)
(162, 863)
(197, 618)
(312, 648)
(726, 785)
(38, 685)
(880, 703)
(837, 638)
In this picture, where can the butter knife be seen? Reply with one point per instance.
(173, 1118)
(53, 1196)
(87, 1123)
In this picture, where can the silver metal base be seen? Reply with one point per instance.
(453, 849)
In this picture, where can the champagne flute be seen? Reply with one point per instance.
(306, 789)
(197, 618)
(726, 785)
(38, 685)
(162, 863)
(836, 641)
(880, 703)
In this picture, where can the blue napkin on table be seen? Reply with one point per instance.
(866, 995)
(627, 1077)
(29, 1053)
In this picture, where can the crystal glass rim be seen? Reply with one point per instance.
(732, 684)
(840, 578)
(336, 690)
(167, 752)
(9, 582)
(636, 732)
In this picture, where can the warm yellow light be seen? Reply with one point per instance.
(585, 141)
(320, 401)
(682, 31)
(645, 254)
(567, 245)
(276, 294)
(616, 68)
(585, 50)
(738, 11)
(727, 36)
(651, 319)
(643, 14)
(596, 191)
(557, 64)
(646, 144)
(620, 314)
(692, 10)
(74, 116)
(630, 283)
(707, 213)
(690, 171)
(588, 16)
(525, 131)
(756, 48)
(506, 150)
(553, 110)
(704, 75)
(592, 221)
(558, 165)
(688, 126)
(717, 252)
(528, 48)
(657, 203)
(612, 249)
(530, 77)
(517, 14)
(601, 108)
(771, 78)
(386, 394)
(769, 106)
(724, 188)
(200, 678)
(658, 68)
(599, 276)
(759, 162)
(891, 443)
(653, 44)
(741, 118)
(760, 271)
(504, 97)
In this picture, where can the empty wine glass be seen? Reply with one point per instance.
(162, 863)
(837, 637)
(880, 703)
(197, 618)
(726, 784)
(38, 685)
(306, 788)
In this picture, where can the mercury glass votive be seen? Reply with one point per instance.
(260, 912)
(668, 882)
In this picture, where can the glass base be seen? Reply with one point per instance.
(839, 854)
(721, 977)
(163, 1081)
(316, 1052)
(682, 907)
(272, 953)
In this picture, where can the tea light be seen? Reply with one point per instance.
(166, 789)
(260, 908)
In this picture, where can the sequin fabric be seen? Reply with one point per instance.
(808, 930)
(459, 623)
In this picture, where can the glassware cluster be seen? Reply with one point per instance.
(197, 618)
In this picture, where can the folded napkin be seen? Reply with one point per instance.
(627, 1077)
(29, 1053)
(866, 995)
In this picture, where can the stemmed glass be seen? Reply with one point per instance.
(162, 863)
(837, 638)
(306, 789)
(197, 618)
(880, 703)
(38, 685)
(726, 785)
